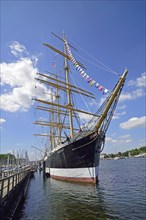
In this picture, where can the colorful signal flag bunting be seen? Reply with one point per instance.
(83, 74)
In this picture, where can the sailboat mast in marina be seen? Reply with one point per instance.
(74, 152)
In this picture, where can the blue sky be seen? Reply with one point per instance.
(110, 31)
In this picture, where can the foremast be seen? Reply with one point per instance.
(68, 88)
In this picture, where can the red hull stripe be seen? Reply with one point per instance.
(73, 179)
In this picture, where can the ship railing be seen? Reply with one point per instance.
(7, 184)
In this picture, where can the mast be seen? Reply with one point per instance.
(53, 120)
(58, 115)
(68, 88)
(56, 109)
(111, 99)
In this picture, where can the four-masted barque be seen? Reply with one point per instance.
(74, 156)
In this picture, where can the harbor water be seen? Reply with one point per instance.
(120, 195)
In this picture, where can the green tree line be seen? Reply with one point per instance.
(128, 153)
(5, 156)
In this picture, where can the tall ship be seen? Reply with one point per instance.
(73, 153)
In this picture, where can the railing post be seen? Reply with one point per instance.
(8, 185)
(1, 191)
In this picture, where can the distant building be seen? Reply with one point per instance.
(103, 156)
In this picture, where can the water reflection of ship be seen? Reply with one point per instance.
(82, 202)
(75, 156)
(40, 167)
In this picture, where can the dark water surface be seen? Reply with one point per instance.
(120, 195)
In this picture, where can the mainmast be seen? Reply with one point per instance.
(66, 69)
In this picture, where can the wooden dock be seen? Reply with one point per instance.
(13, 189)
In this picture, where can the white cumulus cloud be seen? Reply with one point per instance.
(118, 114)
(125, 136)
(122, 107)
(17, 49)
(20, 77)
(120, 139)
(139, 82)
(134, 122)
(138, 92)
(18, 73)
(2, 120)
(132, 95)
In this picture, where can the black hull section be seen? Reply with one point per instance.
(83, 153)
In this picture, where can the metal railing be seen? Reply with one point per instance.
(7, 184)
